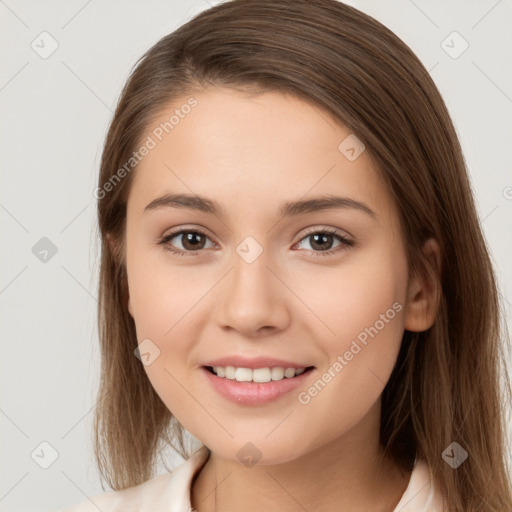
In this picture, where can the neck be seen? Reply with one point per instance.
(350, 473)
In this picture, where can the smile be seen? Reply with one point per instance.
(257, 374)
(257, 386)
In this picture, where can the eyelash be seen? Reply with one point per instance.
(344, 241)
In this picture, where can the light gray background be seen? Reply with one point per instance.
(54, 116)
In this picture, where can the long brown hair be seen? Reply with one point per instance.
(446, 383)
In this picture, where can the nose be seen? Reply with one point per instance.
(252, 298)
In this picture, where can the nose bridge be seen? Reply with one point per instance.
(250, 298)
(250, 281)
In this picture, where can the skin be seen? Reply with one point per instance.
(251, 153)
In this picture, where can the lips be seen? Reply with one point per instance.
(246, 381)
(255, 393)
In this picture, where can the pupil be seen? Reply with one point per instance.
(326, 238)
(192, 239)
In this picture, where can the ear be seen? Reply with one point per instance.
(129, 303)
(424, 291)
(113, 246)
(115, 250)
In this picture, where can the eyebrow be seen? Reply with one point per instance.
(288, 209)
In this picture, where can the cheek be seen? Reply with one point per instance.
(365, 316)
(370, 307)
(362, 304)
(162, 295)
(165, 305)
(360, 299)
(370, 315)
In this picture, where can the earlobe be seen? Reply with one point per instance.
(424, 291)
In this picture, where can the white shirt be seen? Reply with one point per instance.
(170, 492)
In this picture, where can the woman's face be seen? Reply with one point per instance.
(264, 281)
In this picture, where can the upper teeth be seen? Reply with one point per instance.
(258, 374)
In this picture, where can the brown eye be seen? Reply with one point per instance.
(321, 242)
(191, 241)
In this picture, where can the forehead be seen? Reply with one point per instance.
(251, 151)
